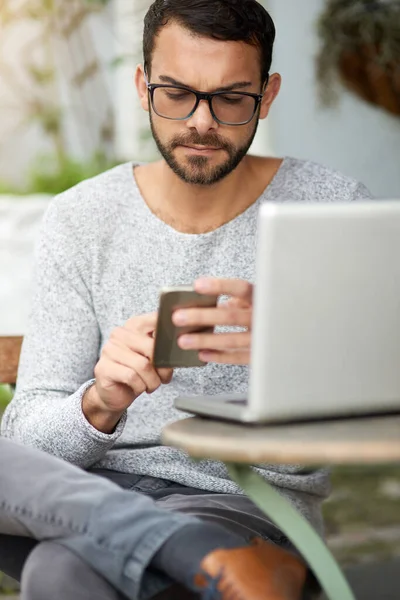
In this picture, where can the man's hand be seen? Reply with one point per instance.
(123, 373)
(223, 348)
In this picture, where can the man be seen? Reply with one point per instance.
(87, 391)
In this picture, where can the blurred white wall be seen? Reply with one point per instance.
(19, 141)
(357, 139)
(133, 139)
(20, 220)
(128, 32)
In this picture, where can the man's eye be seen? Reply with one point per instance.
(177, 95)
(232, 99)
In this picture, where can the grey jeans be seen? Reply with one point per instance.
(115, 531)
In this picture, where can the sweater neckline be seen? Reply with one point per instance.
(266, 196)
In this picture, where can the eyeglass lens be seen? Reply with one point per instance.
(175, 103)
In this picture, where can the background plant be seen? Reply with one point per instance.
(367, 28)
(34, 88)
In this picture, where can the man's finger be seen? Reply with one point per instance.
(213, 317)
(139, 344)
(165, 375)
(145, 324)
(236, 303)
(221, 342)
(225, 287)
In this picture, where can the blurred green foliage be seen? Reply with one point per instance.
(50, 176)
(6, 395)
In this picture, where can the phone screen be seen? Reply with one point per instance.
(167, 353)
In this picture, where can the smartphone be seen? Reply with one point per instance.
(167, 353)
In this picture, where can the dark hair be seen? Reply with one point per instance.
(229, 20)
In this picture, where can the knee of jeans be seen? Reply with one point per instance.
(45, 572)
(54, 572)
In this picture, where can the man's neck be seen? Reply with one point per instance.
(200, 209)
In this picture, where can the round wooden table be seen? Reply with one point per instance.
(347, 441)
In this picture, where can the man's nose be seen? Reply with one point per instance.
(202, 120)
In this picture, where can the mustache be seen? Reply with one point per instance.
(211, 140)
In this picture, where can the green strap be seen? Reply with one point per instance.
(296, 528)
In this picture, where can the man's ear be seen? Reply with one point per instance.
(141, 87)
(271, 92)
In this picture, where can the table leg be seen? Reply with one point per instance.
(296, 528)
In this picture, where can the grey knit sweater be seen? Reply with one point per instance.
(102, 258)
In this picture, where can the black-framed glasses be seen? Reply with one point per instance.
(179, 103)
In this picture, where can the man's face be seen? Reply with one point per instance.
(199, 150)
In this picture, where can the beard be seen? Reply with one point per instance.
(197, 169)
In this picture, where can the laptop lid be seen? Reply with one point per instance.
(326, 332)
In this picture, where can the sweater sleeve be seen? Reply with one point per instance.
(60, 351)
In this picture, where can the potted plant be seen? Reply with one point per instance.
(361, 48)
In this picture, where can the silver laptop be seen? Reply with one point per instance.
(326, 323)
